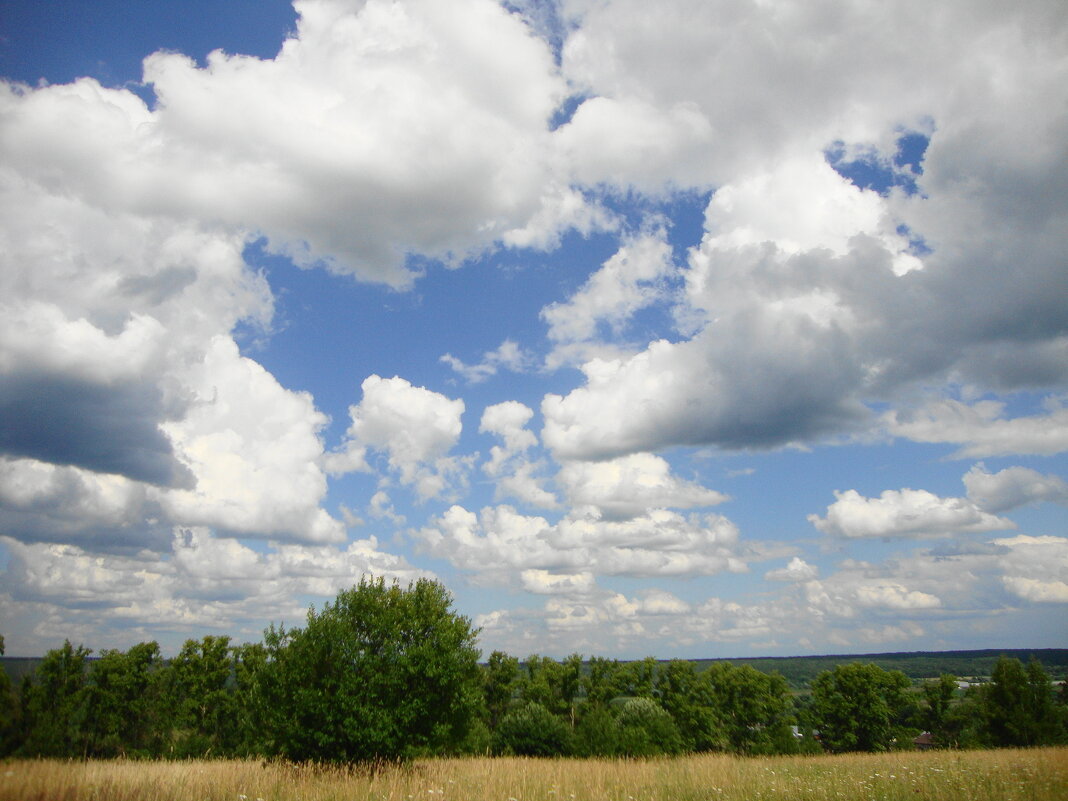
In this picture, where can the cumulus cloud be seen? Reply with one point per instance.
(413, 426)
(1035, 567)
(797, 570)
(346, 123)
(811, 298)
(630, 280)
(516, 475)
(499, 540)
(626, 487)
(904, 513)
(983, 428)
(126, 406)
(1013, 487)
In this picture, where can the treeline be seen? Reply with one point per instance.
(387, 673)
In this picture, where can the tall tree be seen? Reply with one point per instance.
(500, 681)
(754, 707)
(383, 673)
(53, 704)
(200, 700)
(688, 696)
(935, 712)
(1017, 705)
(122, 701)
(856, 706)
(8, 711)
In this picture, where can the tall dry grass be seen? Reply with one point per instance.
(1007, 775)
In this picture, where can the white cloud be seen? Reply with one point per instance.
(414, 426)
(199, 582)
(516, 475)
(797, 570)
(806, 303)
(1037, 590)
(627, 282)
(982, 428)
(499, 540)
(403, 116)
(904, 513)
(543, 582)
(627, 487)
(1013, 487)
(1035, 567)
(508, 356)
(254, 448)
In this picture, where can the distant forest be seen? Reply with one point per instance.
(799, 671)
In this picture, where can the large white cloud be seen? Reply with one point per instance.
(413, 426)
(983, 428)
(626, 487)
(807, 301)
(499, 541)
(402, 117)
(904, 513)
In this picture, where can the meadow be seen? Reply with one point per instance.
(1039, 774)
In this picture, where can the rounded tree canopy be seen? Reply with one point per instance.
(383, 673)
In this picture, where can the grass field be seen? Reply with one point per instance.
(1008, 775)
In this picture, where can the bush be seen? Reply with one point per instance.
(646, 729)
(532, 730)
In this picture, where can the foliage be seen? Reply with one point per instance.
(1017, 706)
(532, 730)
(689, 697)
(122, 702)
(500, 681)
(201, 704)
(856, 706)
(53, 713)
(754, 707)
(383, 673)
(647, 729)
(9, 719)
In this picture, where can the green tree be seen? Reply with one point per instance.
(688, 696)
(1017, 706)
(639, 678)
(597, 732)
(250, 716)
(935, 714)
(122, 703)
(200, 700)
(53, 704)
(553, 684)
(603, 681)
(647, 729)
(9, 718)
(383, 673)
(754, 707)
(500, 680)
(856, 706)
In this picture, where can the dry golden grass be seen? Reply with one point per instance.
(1034, 775)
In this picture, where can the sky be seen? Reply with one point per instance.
(698, 329)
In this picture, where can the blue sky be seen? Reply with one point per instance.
(736, 330)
